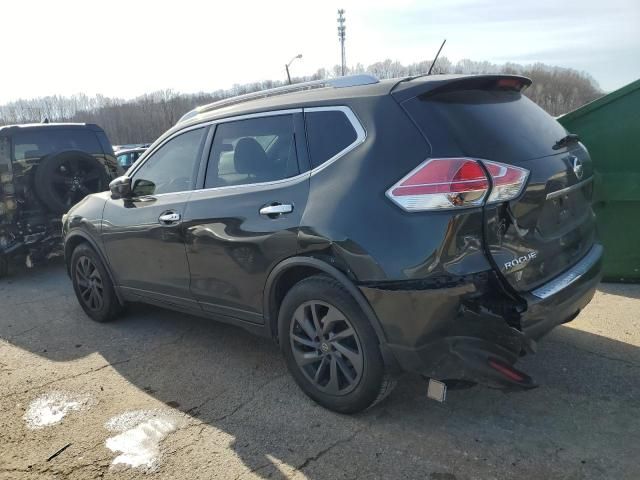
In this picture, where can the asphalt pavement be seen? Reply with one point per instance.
(159, 394)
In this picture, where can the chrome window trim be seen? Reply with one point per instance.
(361, 136)
(340, 82)
(361, 133)
(564, 191)
(246, 186)
(246, 116)
(570, 276)
(256, 187)
(150, 198)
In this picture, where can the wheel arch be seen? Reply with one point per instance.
(292, 270)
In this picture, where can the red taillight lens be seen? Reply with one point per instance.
(507, 370)
(511, 83)
(441, 183)
(508, 181)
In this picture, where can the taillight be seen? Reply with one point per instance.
(443, 183)
(512, 83)
(508, 181)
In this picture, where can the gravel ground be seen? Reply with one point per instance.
(160, 394)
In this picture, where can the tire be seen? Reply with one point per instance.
(335, 358)
(92, 285)
(63, 179)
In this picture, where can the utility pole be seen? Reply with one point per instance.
(341, 36)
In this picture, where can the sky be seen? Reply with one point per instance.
(127, 48)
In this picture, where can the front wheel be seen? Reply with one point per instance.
(330, 347)
(92, 285)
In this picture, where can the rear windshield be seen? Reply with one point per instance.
(500, 125)
(29, 144)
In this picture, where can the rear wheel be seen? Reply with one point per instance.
(92, 285)
(330, 347)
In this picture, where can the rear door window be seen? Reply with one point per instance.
(37, 143)
(255, 150)
(328, 133)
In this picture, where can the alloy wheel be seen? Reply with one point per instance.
(89, 283)
(74, 179)
(326, 347)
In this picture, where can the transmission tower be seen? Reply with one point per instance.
(341, 36)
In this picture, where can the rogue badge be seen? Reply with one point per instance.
(521, 260)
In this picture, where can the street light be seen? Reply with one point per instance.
(287, 66)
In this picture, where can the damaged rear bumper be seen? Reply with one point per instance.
(473, 330)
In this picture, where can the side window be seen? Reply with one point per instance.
(328, 133)
(252, 151)
(172, 167)
(123, 160)
(104, 142)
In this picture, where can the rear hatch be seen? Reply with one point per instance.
(551, 225)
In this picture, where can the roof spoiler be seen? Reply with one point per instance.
(449, 83)
(339, 82)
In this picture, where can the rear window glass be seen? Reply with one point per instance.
(38, 143)
(328, 133)
(494, 124)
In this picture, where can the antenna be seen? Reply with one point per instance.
(437, 55)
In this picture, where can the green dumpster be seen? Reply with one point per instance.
(610, 128)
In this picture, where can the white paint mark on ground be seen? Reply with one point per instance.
(52, 407)
(140, 434)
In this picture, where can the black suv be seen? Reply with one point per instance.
(44, 170)
(440, 225)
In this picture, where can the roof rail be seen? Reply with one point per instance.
(340, 82)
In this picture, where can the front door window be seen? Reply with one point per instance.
(172, 167)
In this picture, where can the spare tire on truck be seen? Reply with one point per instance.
(63, 179)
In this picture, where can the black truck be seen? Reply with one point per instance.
(44, 170)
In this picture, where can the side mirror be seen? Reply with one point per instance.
(120, 187)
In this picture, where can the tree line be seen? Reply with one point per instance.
(556, 89)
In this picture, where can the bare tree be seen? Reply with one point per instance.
(144, 118)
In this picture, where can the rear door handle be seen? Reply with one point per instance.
(276, 209)
(169, 217)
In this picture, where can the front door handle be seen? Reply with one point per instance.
(169, 217)
(276, 209)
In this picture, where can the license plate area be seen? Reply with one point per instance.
(563, 211)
